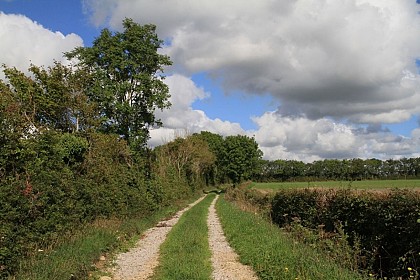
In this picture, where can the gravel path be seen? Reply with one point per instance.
(224, 260)
(140, 261)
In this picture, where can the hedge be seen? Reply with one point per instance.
(385, 223)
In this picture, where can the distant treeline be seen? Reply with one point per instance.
(334, 169)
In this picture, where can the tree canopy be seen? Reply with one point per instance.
(129, 77)
(237, 157)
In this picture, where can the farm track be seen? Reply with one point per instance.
(140, 262)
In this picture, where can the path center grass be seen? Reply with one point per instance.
(271, 253)
(185, 254)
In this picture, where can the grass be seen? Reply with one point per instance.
(71, 260)
(185, 254)
(362, 185)
(271, 253)
(74, 255)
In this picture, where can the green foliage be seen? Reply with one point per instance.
(190, 158)
(128, 84)
(215, 174)
(237, 158)
(384, 223)
(62, 181)
(72, 148)
(52, 98)
(240, 157)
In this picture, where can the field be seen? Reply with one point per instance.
(357, 185)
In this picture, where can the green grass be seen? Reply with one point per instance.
(367, 184)
(185, 254)
(71, 260)
(271, 253)
(74, 255)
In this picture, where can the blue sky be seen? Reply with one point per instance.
(309, 79)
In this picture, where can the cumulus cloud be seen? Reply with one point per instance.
(182, 119)
(308, 140)
(24, 41)
(345, 59)
(304, 139)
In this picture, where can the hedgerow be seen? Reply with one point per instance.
(58, 182)
(384, 223)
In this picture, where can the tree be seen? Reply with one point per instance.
(216, 146)
(129, 79)
(241, 157)
(51, 98)
(190, 157)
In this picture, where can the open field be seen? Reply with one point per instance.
(358, 185)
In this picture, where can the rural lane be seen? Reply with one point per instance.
(140, 262)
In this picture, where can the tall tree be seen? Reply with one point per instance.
(129, 79)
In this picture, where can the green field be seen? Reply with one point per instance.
(362, 185)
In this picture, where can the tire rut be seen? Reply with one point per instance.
(225, 261)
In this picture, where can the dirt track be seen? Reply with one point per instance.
(140, 261)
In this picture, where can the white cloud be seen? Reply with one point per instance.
(308, 140)
(24, 41)
(304, 139)
(181, 118)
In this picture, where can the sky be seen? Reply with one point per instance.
(308, 79)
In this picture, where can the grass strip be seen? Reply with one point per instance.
(74, 255)
(185, 254)
(271, 253)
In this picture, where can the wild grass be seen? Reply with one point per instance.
(363, 185)
(271, 252)
(71, 260)
(185, 254)
(74, 256)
